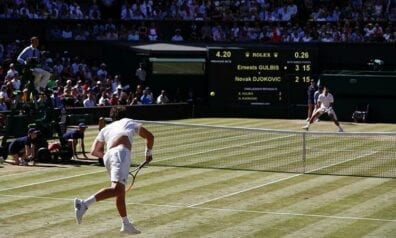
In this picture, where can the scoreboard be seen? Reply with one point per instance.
(265, 76)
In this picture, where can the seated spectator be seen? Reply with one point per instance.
(89, 101)
(126, 12)
(3, 105)
(67, 33)
(113, 99)
(68, 98)
(56, 100)
(16, 83)
(123, 98)
(104, 99)
(217, 33)
(146, 98)
(12, 72)
(123, 33)
(111, 34)
(133, 100)
(206, 33)
(150, 93)
(152, 32)
(118, 90)
(388, 35)
(115, 83)
(162, 98)
(94, 12)
(42, 102)
(75, 11)
(102, 71)
(177, 36)
(4, 93)
(133, 35)
(143, 31)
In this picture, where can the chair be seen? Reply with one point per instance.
(361, 113)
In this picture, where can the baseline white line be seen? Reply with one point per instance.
(278, 180)
(221, 209)
(52, 180)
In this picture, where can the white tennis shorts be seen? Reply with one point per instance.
(329, 112)
(117, 161)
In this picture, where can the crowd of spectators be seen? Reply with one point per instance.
(48, 9)
(74, 83)
(341, 31)
(214, 20)
(199, 10)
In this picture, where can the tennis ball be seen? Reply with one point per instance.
(212, 93)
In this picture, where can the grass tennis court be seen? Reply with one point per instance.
(170, 201)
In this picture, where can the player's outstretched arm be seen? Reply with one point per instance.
(149, 137)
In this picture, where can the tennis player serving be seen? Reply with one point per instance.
(325, 105)
(117, 137)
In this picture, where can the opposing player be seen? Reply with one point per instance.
(325, 105)
(117, 137)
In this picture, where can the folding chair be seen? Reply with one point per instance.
(361, 113)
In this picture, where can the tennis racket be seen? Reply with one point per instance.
(134, 173)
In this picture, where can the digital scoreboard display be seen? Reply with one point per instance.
(268, 76)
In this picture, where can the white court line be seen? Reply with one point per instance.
(221, 209)
(51, 180)
(25, 172)
(278, 180)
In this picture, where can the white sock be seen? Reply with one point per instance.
(89, 201)
(125, 220)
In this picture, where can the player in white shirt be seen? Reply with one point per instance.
(325, 105)
(117, 137)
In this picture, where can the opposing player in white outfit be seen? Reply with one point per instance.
(325, 105)
(117, 137)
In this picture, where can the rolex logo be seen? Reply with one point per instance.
(247, 54)
(276, 54)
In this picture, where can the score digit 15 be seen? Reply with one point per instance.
(302, 67)
(302, 79)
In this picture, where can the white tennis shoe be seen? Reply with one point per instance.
(79, 208)
(340, 130)
(305, 127)
(128, 228)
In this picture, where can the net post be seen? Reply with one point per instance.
(304, 151)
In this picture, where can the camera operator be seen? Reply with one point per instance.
(30, 58)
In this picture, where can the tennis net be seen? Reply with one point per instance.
(204, 146)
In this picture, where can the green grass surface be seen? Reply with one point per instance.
(203, 202)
